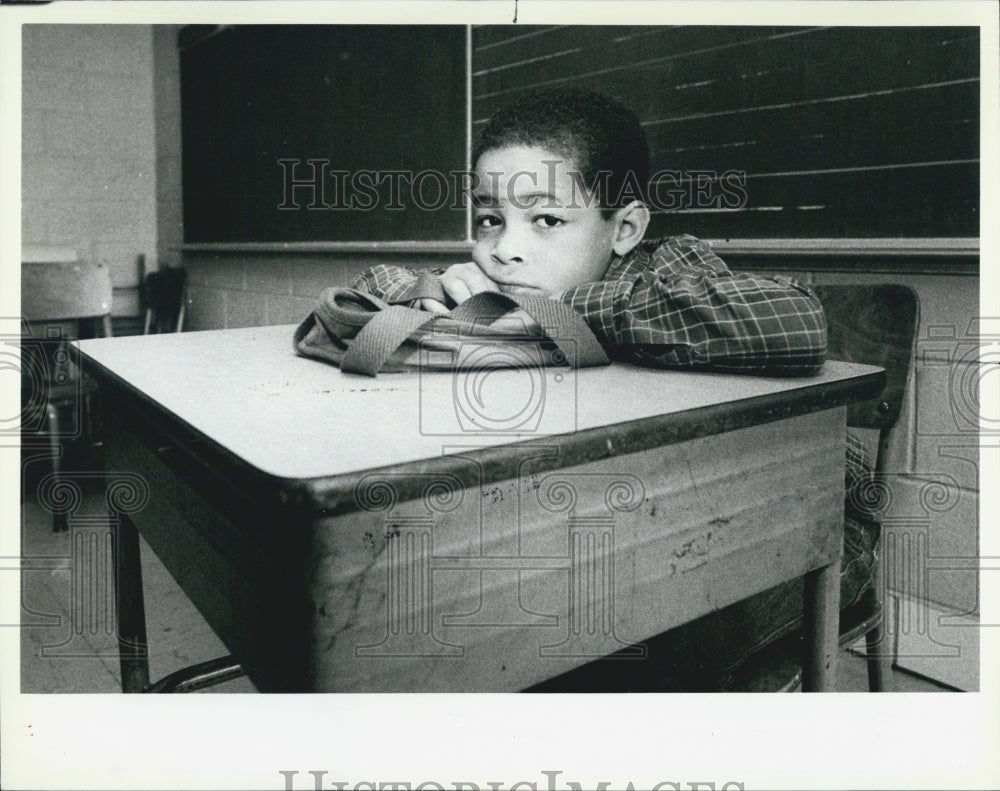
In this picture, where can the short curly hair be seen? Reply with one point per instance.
(601, 135)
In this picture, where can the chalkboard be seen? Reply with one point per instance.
(831, 132)
(818, 132)
(294, 133)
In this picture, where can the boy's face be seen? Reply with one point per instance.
(537, 231)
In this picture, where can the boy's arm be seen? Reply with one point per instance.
(679, 306)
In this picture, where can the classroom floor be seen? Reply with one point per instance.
(64, 652)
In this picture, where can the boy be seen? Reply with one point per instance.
(559, 212)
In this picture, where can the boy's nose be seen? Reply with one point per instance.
(508, 249)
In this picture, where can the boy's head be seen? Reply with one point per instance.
(602, 137)
(539, 227)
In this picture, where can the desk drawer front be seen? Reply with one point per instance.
(520, 580)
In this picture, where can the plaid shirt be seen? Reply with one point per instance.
(673, 303)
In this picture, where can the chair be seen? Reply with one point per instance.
(62, 298)
(163, 295)
(755, 645)
(873, 325)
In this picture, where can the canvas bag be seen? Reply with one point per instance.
(364, 335)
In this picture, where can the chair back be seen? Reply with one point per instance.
(873, 325)
(59, 290)
(163, 296)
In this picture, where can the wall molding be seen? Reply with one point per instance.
(909, 248)
(350, 248)
(933, 256)
(958, 256)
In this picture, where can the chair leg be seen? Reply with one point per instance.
(879, 663)
(878, 649)
(60, 519)
(130, 607)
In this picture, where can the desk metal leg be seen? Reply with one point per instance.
(131, 613)
(821, 624)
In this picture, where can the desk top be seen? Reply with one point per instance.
(297, 419)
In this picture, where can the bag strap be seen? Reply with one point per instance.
(385, 332)
(345, 311)
(388, 329)
(562, 325)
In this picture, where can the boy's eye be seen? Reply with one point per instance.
(487, 221)
(549, 221)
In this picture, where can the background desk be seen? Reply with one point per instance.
(470, 531)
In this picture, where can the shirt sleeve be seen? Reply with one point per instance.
(399, 284)
(686, 309)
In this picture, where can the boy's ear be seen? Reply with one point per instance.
(631, 224)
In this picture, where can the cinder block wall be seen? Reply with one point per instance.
(167, 117)
(89, 160)
(253, 289)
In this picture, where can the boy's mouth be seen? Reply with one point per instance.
(516, 288)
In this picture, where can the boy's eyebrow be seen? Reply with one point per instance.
(521, 198)
(484, 199)
(524, 196)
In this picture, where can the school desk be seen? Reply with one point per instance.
(481, 530)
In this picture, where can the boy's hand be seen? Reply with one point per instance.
(460, 282)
